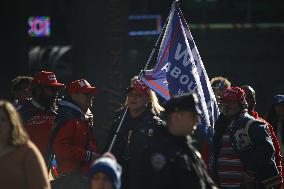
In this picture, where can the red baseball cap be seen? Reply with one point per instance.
(81, 86)
(140, 86)
(234, 94)
(47, 78)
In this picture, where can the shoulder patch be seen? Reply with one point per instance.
(158, 161)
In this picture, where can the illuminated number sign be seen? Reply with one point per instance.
(39, 26)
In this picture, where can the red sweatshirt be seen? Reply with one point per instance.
(38, 123)
(72, 145)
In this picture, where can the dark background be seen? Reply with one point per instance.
(239, 39)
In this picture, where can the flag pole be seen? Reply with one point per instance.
(141, 74)
(157, 42)
(117, 130)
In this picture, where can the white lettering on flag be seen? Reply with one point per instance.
(175, 72)
(184, 54)
(166, 67)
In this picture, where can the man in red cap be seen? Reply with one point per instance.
(72, 139)
(38, 113)
(243, 149)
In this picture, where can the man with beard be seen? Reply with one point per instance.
(38, 113)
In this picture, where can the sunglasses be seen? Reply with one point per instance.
(89, 95)
(51, 89)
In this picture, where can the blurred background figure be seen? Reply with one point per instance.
(251, 100)
(275, 116)
(21, 89)
(22, 165)
(219, 84)
(105, 173)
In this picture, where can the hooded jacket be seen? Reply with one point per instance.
(74, 142)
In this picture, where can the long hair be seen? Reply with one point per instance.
(157, 108)
(17, 134)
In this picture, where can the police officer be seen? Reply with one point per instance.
(172, 161)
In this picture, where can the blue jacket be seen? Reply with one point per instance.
(250, 139)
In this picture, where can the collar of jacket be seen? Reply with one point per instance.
(37, 105)
(69, 104)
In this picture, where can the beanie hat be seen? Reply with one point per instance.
(234, 94)
(108, 165)
(277, 99)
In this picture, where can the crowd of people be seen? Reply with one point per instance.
(47, 141)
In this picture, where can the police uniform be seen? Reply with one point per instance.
(173, 162)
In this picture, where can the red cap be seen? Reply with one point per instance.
(81, 86)
(233, 93)
(140, 86)
(47, 78)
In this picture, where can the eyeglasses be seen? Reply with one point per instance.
(89, 95)
(51, 89)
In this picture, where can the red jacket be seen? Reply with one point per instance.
(278, 156)
(74, 143)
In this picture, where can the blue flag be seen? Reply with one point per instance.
(179, 69)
